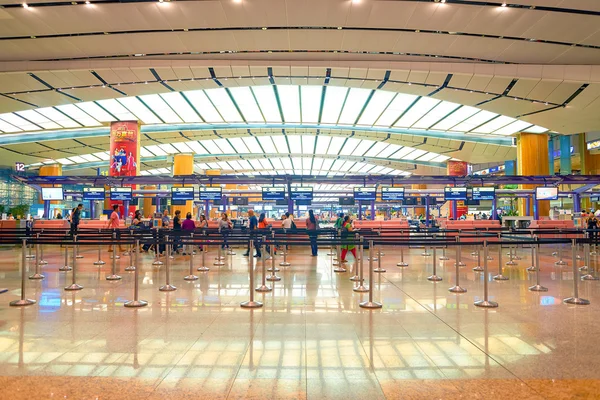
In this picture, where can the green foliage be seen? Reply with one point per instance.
(511, 213)
(21, 209)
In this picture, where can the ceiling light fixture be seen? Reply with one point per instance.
(25, 5)
(503, 4)
(87, 2)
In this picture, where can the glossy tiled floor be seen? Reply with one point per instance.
(310, 340)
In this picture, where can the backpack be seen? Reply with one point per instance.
(345, 233)
(293, 226)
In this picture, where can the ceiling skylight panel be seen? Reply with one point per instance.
(362, 147)
(156, 150)
(395, 172)
(183, 109)
(478, 119)
(355, 102)
(252, 145)
(203, 166)
(19, 122)
(235, 165)
(77, 159)
(347, 165)
(277, 164)
(287, 163)
(267, 144)
(297, 162)
(164, 170)
(225, 146)
(224, 105)
(289, 97)
(65, 161)
(377, 169)
(388, 151)
(141, 111)
(78, 115)
(317, 164)
(203, 105)
(245, 101)
(336, 145)
(209, 145)
(145, 173)
(358, 166)
(349, 147)
(196, 147)
(515, 127)
(533, 129)
(386, 171)
(266, 164)
(439, 112)
(376, 149)
(267, 101)
(455, 118)
(182, 147)
(322, 144)
(58, 118)
(332, 106)
(223, 165)
(239, 145)
(336, 165)
(400, 103)
(213, 165)
(103, 155)
(414, 155)
(327, 163)
(162, 109)
(380, 100)
(295, 144)
(307, 164)
(281, 144)
(494, 124)
(38, 119)
(366, 168)
(245, 164)
(311, 103)
(116, 109)
(440, 158)
(308, 144)
(427, 157)
(402, 152)
(95, 111)
(145, 152)
(416, 112)
(168, 148)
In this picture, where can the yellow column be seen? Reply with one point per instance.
(183, 164)
(50, 170)
(532, 159)
(590, 165)
(148, 209)
(419, 210)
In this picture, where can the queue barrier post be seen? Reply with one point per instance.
(167, 287)
(459, 251)
(113, 276)
(131, 266)
(285, 262)
(485, 303)
(444, 257)
(357, 262)
(37, 274)
(99, 262)
(218, 259)
(479, 268)
(402, 263)
(560, 255)
(511, 260)
(114, 253)
(537, 287)
(23, 301)
(263, 285)
(575, 299)
(74, 286)
(157, 249)
(191, 276)
(589, 276)
(136, 284)
(361, 288)
(273, 277)
(378, 258)
(251, 303)
(586, 254)
(29, 256)
(457, 288)
(66, 267)
(533, 264)
(500, 277)
(203, 267)
(434, 277)
(370, 303)
(42, 261)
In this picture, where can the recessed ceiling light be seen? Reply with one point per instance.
(87, 2)
(237, 1)
(503, 4)
(25, 5)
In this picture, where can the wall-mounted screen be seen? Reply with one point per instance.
(210, 193)
(546, 193)
(455, 193)
(182, 193)
(93, 193)
(365, 193)
(52, 194)
(283, 202)
(240, 201)
(273, 193)
(304, 202)
(346, 201)
(120, 193)
(392, 193)
(301, 193)
(484, 193)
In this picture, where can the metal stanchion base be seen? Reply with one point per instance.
(65, 268)
(74, 287)
(517, 258)
(500, 278)
(284, 264)
(167, 288)
(474, 253)
(370, 304)
(460, 264)
(78, 256)
(218, 263)
(136, 303)
(538, 288)
(263, 288)
(434, 278)
(531, 269)
(113, 278)
(355, 278)
(130, 268)
(379, 270)
(402, 264)
(273, 278)
(36, 276)
(339, 269)
(560, 262)
(203, 269)
(331, 254)
(230, 253)
(23, 302)
(30, 257)
(361, 289)
(589, 277)
(190, 278)
(486, 304)
(577, 301)
(116, 257)
(99, 262)
(444, 258)
(555, 253)
(425, 254)
(457, 289)
(220, 258)
(43, 262)
(374, 258)
(510, 263)
(251, 304)
(583, 268)
(490, 258)
(578, 257)
(157, 262)
(126, 253)
(478, 269)
(273, 270)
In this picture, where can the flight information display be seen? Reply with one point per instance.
(546, 193)
(273, 193)
(52, 194)
(484, 193)
(455, 193)
(392, 193)
(301, 193)
(93, 193)
(211, 193)
(182, 193)
(365, 193)
(120, 193)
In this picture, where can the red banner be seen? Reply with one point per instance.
(124, 148)
(458, 168)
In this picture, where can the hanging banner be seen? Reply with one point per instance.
(124, 148)
(458, 168)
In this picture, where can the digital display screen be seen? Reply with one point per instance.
(273, 193)
(182, 193)
(240, 201)
(283, 202)
(455, 193)
(92, 193)
(484, 193)
(304, 202)
(546, 193)
(471, 202)
(52, 194)
(392, 194)
(410, 201)
(302, 193)
(365, 193)
(120, 193)
(211, 193)
(346, 201)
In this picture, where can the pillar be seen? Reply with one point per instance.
(565, 155)
(420, 186)
(590, 165)
(372, 210)
(532, 159)
(124, 155)
(49, 170)
(183, 164)
(551, 156)
(510, 167)
(458, 168)
(148, 209)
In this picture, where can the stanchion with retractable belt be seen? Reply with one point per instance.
(273, 277)
(479, 268)
(251, 303)
(29, 256)
(357, 262)
(560, 255)
(589, 276)
(434, 277)
(586, 255)
(510, 255)
(114, 253)
(378, 258)
(77, 255)
(537, 287)
(219, 258)
(273, 268)
(167, 287)
(285, 262)
(136, 284)
(459, 251)
(444, 257)
(263, 286)
(475, 251)
(74, 286)
(37, 274)
(203, 267)
(66, 267)
(425, 253)
(575, 299)
(532, 267)
(23, 301)
(457, 288)
(42, 261)
(370, 303)
(191, 276)
(131, 266)
(157, 249)
(500, 277)
(113, 276)
(339, 266)
(402, 263)
(486, 303)
(99, 262)
(361, 288)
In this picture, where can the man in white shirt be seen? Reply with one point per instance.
(287, 222)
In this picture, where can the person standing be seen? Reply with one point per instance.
(225, 225)
(114, 223)
(592, 228)
(75, 218)
(312, 225)
(252, 226)
(262, 224)
(346, 234)
(177, 230)
(189, 225)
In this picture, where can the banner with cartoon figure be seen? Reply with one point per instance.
(124, 148)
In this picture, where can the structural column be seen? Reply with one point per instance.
(590, 165)
(565, 155)
(457, 168)
(49, 170)
(551, 156)
(420, 186)
(183, 164)
(147, 208)
(532, 159)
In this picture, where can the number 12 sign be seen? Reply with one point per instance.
(19, 167)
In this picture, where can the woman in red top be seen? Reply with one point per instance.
(189, 225)
(114, 223)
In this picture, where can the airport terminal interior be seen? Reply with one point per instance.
(299, 199)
